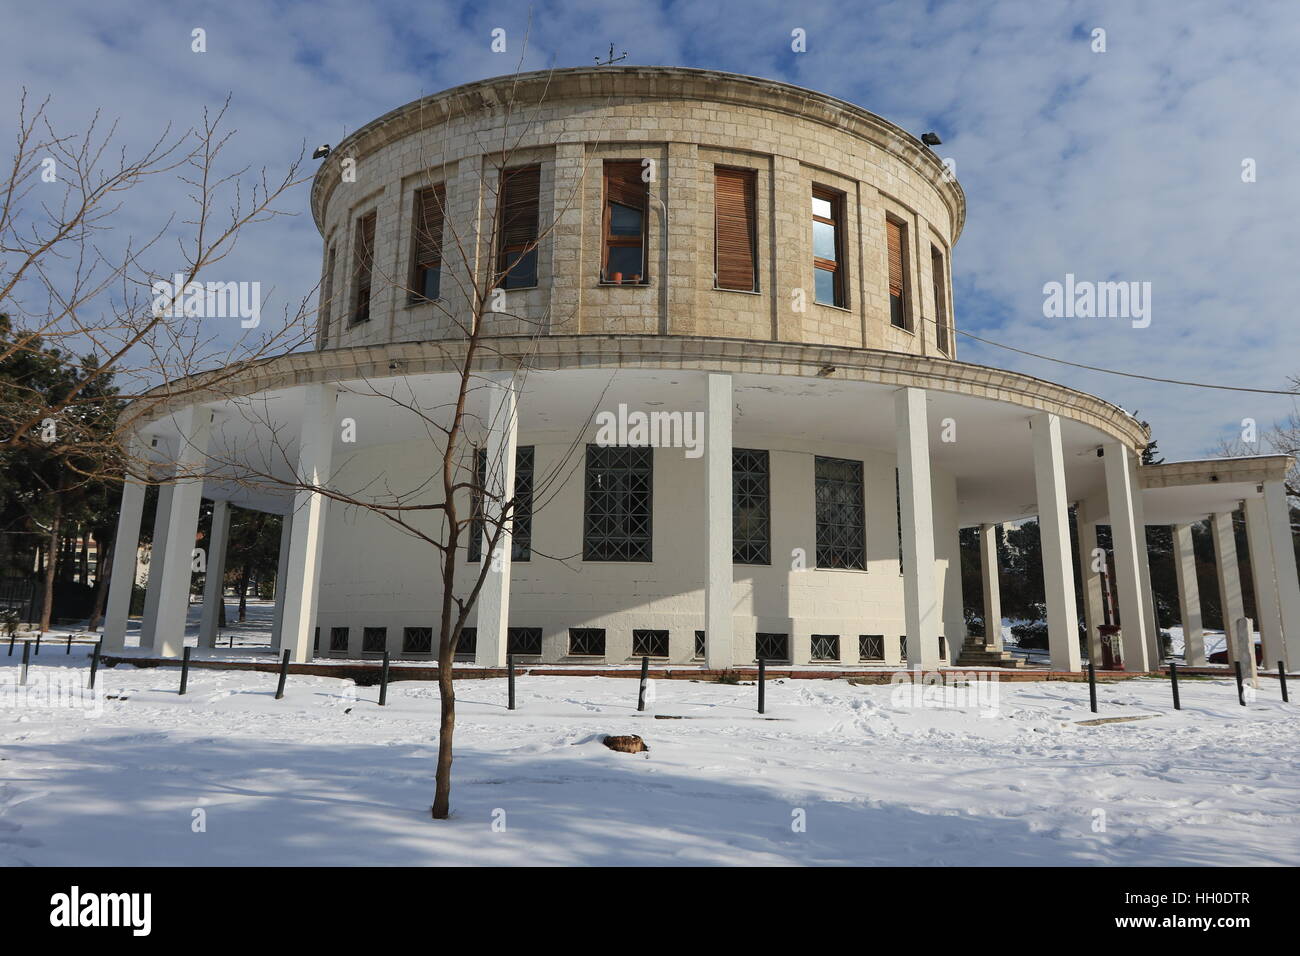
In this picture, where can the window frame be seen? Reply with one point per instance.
(764, 640)
(652, 635)
(521, 523)
(517, 635)
(408, 633)
(904, 282)
(938, 280)
(824, 641)
(367, 633)
(750, 177)
(422, 238)
(578, 636)
(529, 247)
(638, 548)
(335, 634)
(864, 646)
(852, 555)
(363, 267)
(748, 548)
(837, 267)
(608, 240)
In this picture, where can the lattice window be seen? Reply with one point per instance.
(339, 639)
(374, 640)
(751, 507)
(315, 643)
(772, 647)
(617, 504)
(521, 531)
(525, 641)
(825, 647)
(649, 643)
(363, 260)
(701, 645)
(841, 533)
(417, 640)
(467, 646)
(902, 648)
(587, 642)
(943, 648)
(871, 647)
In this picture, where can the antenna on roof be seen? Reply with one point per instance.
(611, 58)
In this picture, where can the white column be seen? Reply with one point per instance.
(1225, 561)
(719, 604)
(307, 539)
(992, 587)
(1090, 567)
(1128, 538)
(122, 579)
(281, 579)
(1151, 620)
(1054, 529)
(1189, 596)
(214, 575)
(182, 526)
(499, 482)
(157, 547)
(1267, 612)
(920, 598)
(1284, 569)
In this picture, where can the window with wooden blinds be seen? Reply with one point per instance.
(896, 236)
(363, 260)
(426, 243)
(624, 223)
(942, 333)
(520, 196)
(734, 239)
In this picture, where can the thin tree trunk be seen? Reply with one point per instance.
(103, 574)
(243, 592)
(51, 565)
(83, 569)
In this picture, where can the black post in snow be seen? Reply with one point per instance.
(284, 672)
(1281, 676)
(762, 685)
(1092, 685)
(185, 670)
(94, 661)
(27, 656)
(69, 650)
(645, 674)
(1241, 688)
(11, 644)
(38, 642)
(383, 682)
(510, 681)
(1173, 683)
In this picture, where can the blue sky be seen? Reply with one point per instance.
(1122, 165)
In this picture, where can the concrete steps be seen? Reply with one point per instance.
(974, 653)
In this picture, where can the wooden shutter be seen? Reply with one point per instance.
(733, 206)
(429, 204)
(623, 184)
(520, 194)
(894, 234)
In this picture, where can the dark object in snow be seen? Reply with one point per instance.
(629, 744)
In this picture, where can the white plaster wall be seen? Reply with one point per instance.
(375, 576)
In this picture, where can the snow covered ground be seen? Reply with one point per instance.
(836, 774)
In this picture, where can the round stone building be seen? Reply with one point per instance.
(723, 370)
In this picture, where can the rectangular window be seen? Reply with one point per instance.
(586, 642)
(617, 504)
(315, 641)
(896, 236)
(327, 294)
(467, 646)
(772, 647)
(649, 643)
(871, 647)
(701, 645)
(841, 530)
(521, 532)
(374, 640)
(825, 647)
(339, 639)
(363, 261)
(942, 334)
(526, 641)
(417, 640)
(943, 648)
(902, 648)
(624, 224)
(520, 196)
(426, 243)
(735, 249)
(828, 246)
(751, 507)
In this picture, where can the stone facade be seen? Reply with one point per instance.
(685, 122)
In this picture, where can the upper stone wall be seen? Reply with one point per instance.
(687, 121)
